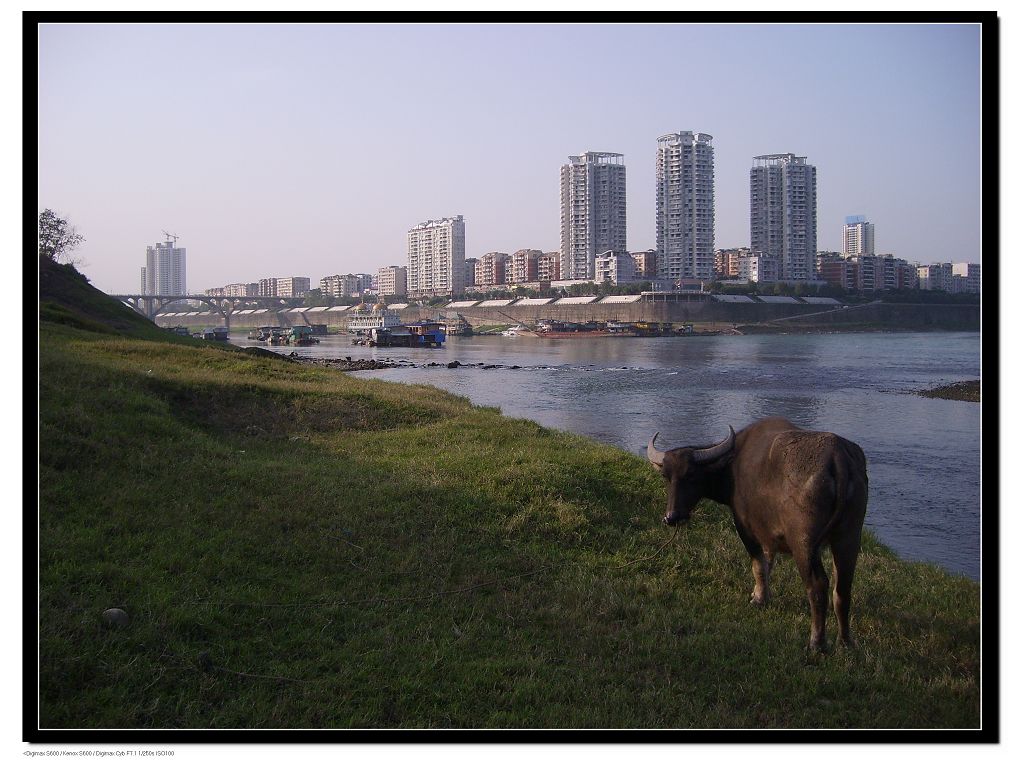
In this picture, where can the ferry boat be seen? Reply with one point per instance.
(362, 319)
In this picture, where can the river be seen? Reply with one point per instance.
(923, 454)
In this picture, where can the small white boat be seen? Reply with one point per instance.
(514, 331)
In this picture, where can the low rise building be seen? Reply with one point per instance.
(293, 286)
(727, 262)
(758, 267)
(644, 264)
(549, 266)
(615, 267)
(491, 269)
(523, 267)
(346, 285)
(970, 273)
(866, 273)
(470, 272)
(243, 289)
(834, 269)
(392, 280)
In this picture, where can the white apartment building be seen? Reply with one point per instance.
(164, 272)
(268, 288)
(685, 206)
(241, 290)
(858, 236)
(757, 266)
(346, 285)
(593, 211)
(435, 258)
(614, 267)
(784, 214)
(392, 280)
(293, 286)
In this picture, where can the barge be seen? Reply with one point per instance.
(423, 334)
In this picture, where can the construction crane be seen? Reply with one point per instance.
(170, 236)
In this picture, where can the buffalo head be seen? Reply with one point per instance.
(687, 472)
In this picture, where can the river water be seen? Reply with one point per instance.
(923, 454)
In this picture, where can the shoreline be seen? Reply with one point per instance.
(966, 390)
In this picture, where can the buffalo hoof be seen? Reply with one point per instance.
(818, 646)
(759, 600)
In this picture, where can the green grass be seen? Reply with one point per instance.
(299, 548)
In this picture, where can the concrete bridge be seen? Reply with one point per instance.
(149, 306)
(699, 309)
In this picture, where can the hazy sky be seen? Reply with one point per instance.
(305, 150)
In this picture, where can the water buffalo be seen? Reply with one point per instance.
(791, 491)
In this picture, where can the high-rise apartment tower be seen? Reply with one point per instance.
(164, 272)
(593, 211)
(783, 213)
(685, 206)
(858, 236)
(435, 258)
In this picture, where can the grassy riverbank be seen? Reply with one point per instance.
(299, 548)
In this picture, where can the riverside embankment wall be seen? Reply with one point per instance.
(705, 314)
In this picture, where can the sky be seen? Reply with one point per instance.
(309, 150)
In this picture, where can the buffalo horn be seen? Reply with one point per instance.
(714, 452)
(654, 455)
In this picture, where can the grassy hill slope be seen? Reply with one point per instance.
(300, 548)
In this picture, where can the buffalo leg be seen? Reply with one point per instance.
(844, 563)
(760, 566)
(817, 584)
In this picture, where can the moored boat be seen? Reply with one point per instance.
(422, 334)
(221, 334)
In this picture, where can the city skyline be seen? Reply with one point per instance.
(236, 148)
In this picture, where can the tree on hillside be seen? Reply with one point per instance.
(57, 238)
